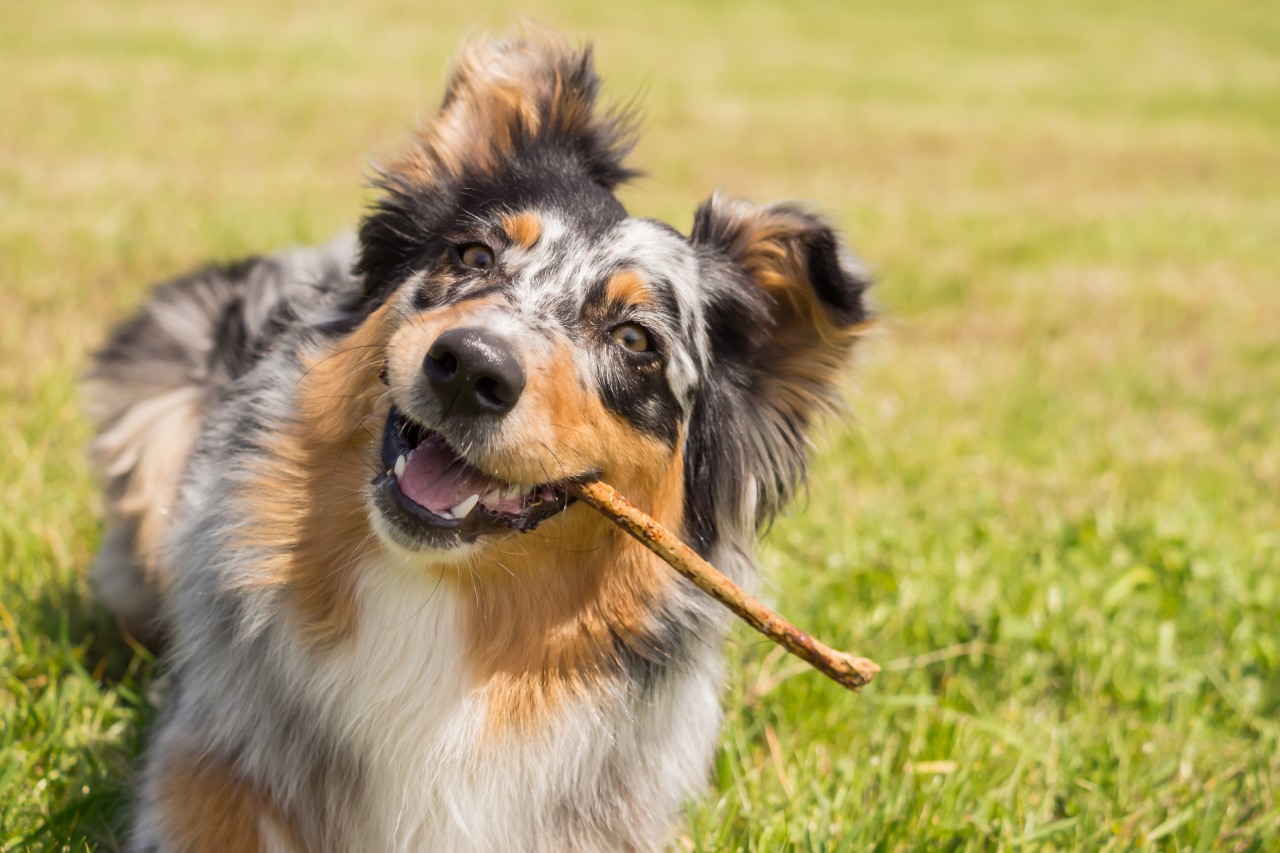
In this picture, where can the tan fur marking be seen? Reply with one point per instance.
(628, 288)
(576, 432)
(545, 608)
(524, 228)
(308, 496)
(205, 805)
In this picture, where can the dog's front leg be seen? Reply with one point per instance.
(196, 803)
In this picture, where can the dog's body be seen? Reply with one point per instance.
(388, 627)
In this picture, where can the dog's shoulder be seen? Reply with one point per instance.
(163, 369)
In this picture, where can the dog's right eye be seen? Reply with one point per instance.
(632, 337)
(478, 256)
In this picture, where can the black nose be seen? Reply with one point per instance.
(474, 372)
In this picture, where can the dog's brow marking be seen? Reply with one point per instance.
(628, 288)
(523, 228)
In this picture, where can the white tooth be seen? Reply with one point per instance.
(444, 513)
(466, 506)
(399, 467)
(510, 493)
(492, 497)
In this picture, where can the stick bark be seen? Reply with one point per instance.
(845, 669)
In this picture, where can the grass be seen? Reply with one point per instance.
(1054, 517)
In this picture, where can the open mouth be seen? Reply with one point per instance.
(436, 496)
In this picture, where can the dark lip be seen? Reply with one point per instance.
(418, 527)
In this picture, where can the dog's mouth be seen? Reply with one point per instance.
(437, 497)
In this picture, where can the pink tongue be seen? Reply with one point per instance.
(437, 479)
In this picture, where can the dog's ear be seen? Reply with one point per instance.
(510, 107)
(507, 96)
(785, 303)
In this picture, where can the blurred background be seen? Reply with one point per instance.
(1052, 514)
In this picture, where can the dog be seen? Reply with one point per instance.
(337, 485)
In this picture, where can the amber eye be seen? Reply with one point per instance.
(632, 337)
(478, 256)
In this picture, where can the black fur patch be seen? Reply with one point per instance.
(635, 387)
(667, 642)
(717, 458)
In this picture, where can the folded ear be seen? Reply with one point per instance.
(786, 302)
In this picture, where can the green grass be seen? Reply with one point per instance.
(1054, 517)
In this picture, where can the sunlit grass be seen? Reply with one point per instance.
(1053, 516)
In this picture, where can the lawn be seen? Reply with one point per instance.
(1053, 513)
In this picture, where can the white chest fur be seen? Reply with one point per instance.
(602, 772)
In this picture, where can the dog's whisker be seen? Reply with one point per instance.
(334, 355)
(569, 429)
(350, 560)
(420, 608)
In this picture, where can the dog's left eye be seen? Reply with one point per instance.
(478, 256)
(632, 337)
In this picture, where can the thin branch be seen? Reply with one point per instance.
(847, 670)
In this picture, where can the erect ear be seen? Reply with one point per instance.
(505, 96)
(507, 104)
(786, 302)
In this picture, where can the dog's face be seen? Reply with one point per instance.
(539, 343)
(534, 334)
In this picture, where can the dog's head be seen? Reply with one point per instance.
(534, 333)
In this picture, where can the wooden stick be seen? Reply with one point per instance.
(852, 672)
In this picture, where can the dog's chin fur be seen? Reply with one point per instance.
(388, 626)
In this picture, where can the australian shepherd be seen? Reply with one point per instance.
(337, 478)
